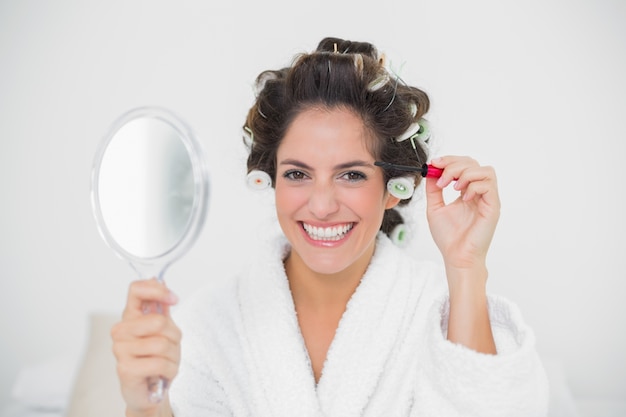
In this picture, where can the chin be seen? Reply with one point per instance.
(326, 268)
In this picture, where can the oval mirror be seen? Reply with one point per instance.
(150, 191)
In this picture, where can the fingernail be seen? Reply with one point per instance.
(440, 182)
(171, 298)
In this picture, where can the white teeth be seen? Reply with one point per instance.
(327, 233)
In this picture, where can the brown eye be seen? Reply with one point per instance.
(354, 176)
(294, 175)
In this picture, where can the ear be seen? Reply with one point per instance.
(391, 201)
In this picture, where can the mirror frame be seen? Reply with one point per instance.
(201, 189)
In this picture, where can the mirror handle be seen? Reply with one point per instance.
(156, 388)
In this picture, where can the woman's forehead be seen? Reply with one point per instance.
(328, 129)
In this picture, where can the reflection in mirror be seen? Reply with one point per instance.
(146, 187)
(149, 190)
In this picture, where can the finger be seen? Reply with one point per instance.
(485, 194)
(147, 291)
(144, 326)
(434, 195)
(138, 369)
(478, 182)
(453, 168)
(476, 190)
(155, 346)
(475, 174)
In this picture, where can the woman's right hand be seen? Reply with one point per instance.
(146, 345)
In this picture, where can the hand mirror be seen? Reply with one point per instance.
(149, 192)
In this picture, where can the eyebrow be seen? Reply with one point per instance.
(345, 165)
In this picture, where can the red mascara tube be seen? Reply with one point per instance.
(429, 171)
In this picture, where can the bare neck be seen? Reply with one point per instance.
(323, 292)
(320, 301)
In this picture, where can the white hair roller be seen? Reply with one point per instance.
(401, 187)
(411, 131)
(262, 80)
(419, 130)
(399, 235)
(379, 82)
(423, 134)
(258, 180)
(413, 109)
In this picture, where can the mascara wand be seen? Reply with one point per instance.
(426, 170)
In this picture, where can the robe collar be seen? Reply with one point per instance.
(364, 341)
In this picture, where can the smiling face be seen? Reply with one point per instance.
(330, 198)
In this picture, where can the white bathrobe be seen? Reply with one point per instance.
(243, 353)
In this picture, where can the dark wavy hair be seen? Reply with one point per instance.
(339, 73)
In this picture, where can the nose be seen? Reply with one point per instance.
(323, 201)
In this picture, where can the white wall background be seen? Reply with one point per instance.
(535, 88)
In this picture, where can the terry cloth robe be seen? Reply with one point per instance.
(243, 353)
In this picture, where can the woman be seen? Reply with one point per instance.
(331, 319)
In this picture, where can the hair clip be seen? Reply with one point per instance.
(258, 180)
(401, 187)
(399, 235)
(248, 136)
(358, 63)
(258, 109)
(382, 59)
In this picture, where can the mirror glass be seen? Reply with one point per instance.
(149, 188)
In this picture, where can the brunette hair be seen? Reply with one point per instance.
(339, 73)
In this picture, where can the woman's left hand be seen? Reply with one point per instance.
(463, 229)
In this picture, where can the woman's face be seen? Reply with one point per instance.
(330, 197)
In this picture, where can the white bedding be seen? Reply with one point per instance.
(43, 389)
(15, 409)
(87, 386)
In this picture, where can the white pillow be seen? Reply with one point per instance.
(96, 391)
(45, 386)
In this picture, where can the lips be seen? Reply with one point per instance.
(328, 234)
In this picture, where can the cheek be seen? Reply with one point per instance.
(288, 199)
(369, 202)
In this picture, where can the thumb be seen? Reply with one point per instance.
(434, 195)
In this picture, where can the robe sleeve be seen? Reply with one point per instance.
(204, 397)
(195, 391)
(464, 382)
